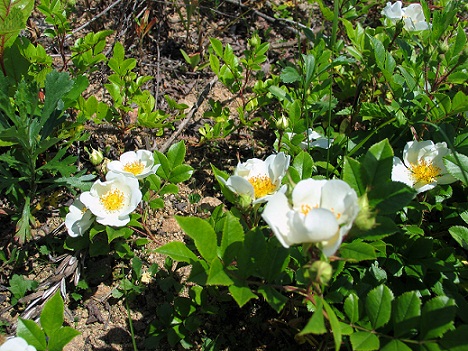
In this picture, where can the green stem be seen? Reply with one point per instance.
(130, 323)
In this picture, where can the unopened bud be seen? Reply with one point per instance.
(319, 271)
(365, 220)
(282, 123)
(96, 157)
(244, 201)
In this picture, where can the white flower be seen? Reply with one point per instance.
(112, 201)
(258, 179)
(78, 220)
(422, 167)
(412, 16)
(16, 344)
(322, 211)
(313, 139)
(139, 164)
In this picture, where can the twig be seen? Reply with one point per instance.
(115, 3)
(187, 119)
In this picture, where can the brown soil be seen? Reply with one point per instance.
(102, 319)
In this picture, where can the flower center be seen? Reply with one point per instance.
(262, 186)
(113, 200)
(135, 167)
(425, 172)
(305, 209)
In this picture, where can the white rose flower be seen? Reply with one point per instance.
(139, 164)
(78, 220)
(422, 167)
(412, 16)
(16, 344)
(112, 201)
(259, 179)
(322, 211)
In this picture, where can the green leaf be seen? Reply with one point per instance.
(274, 262)
(241, 293)
(275, 299)
(52, 314)
(316, 323)
(455, 340)
(20, 285)
(379, 306)
(202, 234)
(406, 313)
(396, 345)
(180, 173)
(176, 154)
(460, 234)
(352, 174)
(32, 333)
(378, 163)
(457, 166)
(335, 325)
(115, 233)
(437, 317)
(62, 337)
(290, 75)
(303, 163)
(232, 238)
(217, 274)
(357, 250)
(351, 308)
(364, 341)
(178, 251)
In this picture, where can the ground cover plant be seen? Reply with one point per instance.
(218, 175)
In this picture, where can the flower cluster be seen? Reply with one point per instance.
(16, 344)
(322, 211)
(111, 202)
(422, 167)
(412, 16)
(312, 139)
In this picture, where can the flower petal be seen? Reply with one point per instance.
(275, 214)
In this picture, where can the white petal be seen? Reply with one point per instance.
(275, 214)
(16, 344)
(329, 247)
(400, 173)
(113, 221)
(393, 12)
(307, 192)
(240, 186)
(318, 225)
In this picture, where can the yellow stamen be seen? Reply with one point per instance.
(425, 172)
(135, 167)
(305, 209)
(262, 186)
(113, 200)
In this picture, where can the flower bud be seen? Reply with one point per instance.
(366, 217)
(96, 157)
(244, 201)
(282, 123)
(254, 41)
(319, 271)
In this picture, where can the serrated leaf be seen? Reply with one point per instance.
(406, 313)
(364, 341)
(274, 298)
(378, 163)
(396, 345)
(52, 314)
(61, 337)
(32, 333)
(178, 251)
(176, 154)
(232, 238)
(303, 163)
(334, 324)
(241, 294)
(115, 233)
(455, 340)
(357, 251)
(202, 234)
(316, 323)
(379, 306)
(290, 75)
(352, 174)
(217, 274)
(180, 173)
(457, 166)
(437, 317)
(460, 234)
(351, 308)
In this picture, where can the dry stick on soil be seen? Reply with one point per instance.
(102, 13)
(187, 119)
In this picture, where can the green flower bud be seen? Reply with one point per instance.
(96, 157)
(319, 271)
(366, 217)
(282, 123)
(244, 201)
